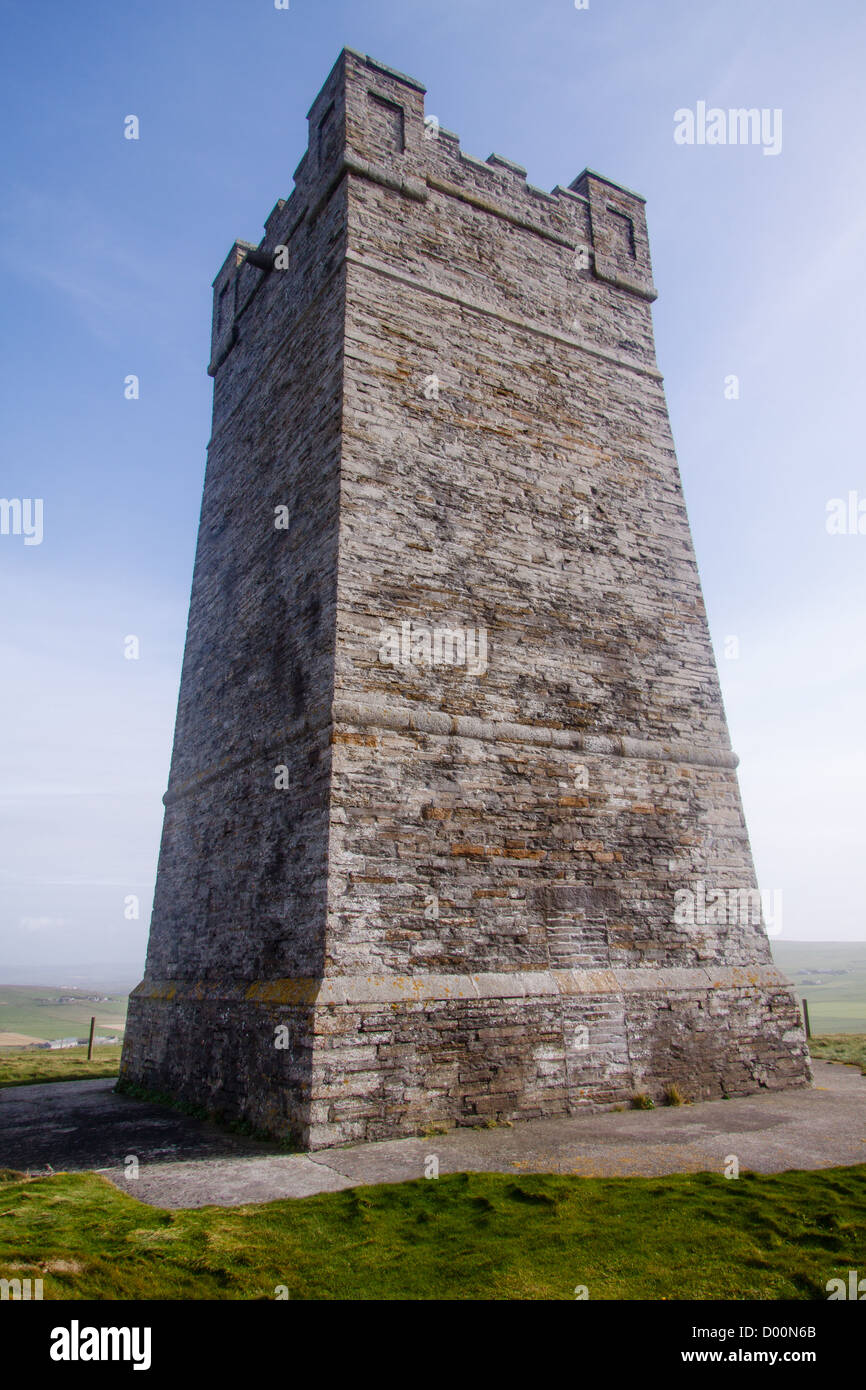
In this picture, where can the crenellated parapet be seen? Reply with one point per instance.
(368, 125)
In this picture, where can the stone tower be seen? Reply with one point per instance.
(453, 830)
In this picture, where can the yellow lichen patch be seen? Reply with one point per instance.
(156, 991)
(291, 991)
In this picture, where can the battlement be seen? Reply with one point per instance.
(369, 123)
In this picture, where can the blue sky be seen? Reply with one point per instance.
(108, 249)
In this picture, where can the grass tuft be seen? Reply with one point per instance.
(642, 1101)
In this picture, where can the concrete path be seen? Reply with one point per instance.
(185, 1163)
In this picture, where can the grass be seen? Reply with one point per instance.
(26, 1067)
(466, 1236)
(840, 1047)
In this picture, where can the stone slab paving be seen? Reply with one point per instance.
(185, 1162)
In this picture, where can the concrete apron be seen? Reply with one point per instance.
(820, 1127)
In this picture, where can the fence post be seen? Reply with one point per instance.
(806, 1018)
(90, 1042)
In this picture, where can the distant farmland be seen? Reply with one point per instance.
(44, 1013)
(832, 977)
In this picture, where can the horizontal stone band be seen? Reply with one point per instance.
(343, 990)
(487, 311)
(371, 714)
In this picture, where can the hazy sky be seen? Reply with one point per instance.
(108, 250)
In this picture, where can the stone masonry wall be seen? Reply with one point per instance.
(508, 465)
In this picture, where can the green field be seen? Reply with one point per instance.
(48, 1012)
(832, 977)
(30, 1066)
(463, 1236)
